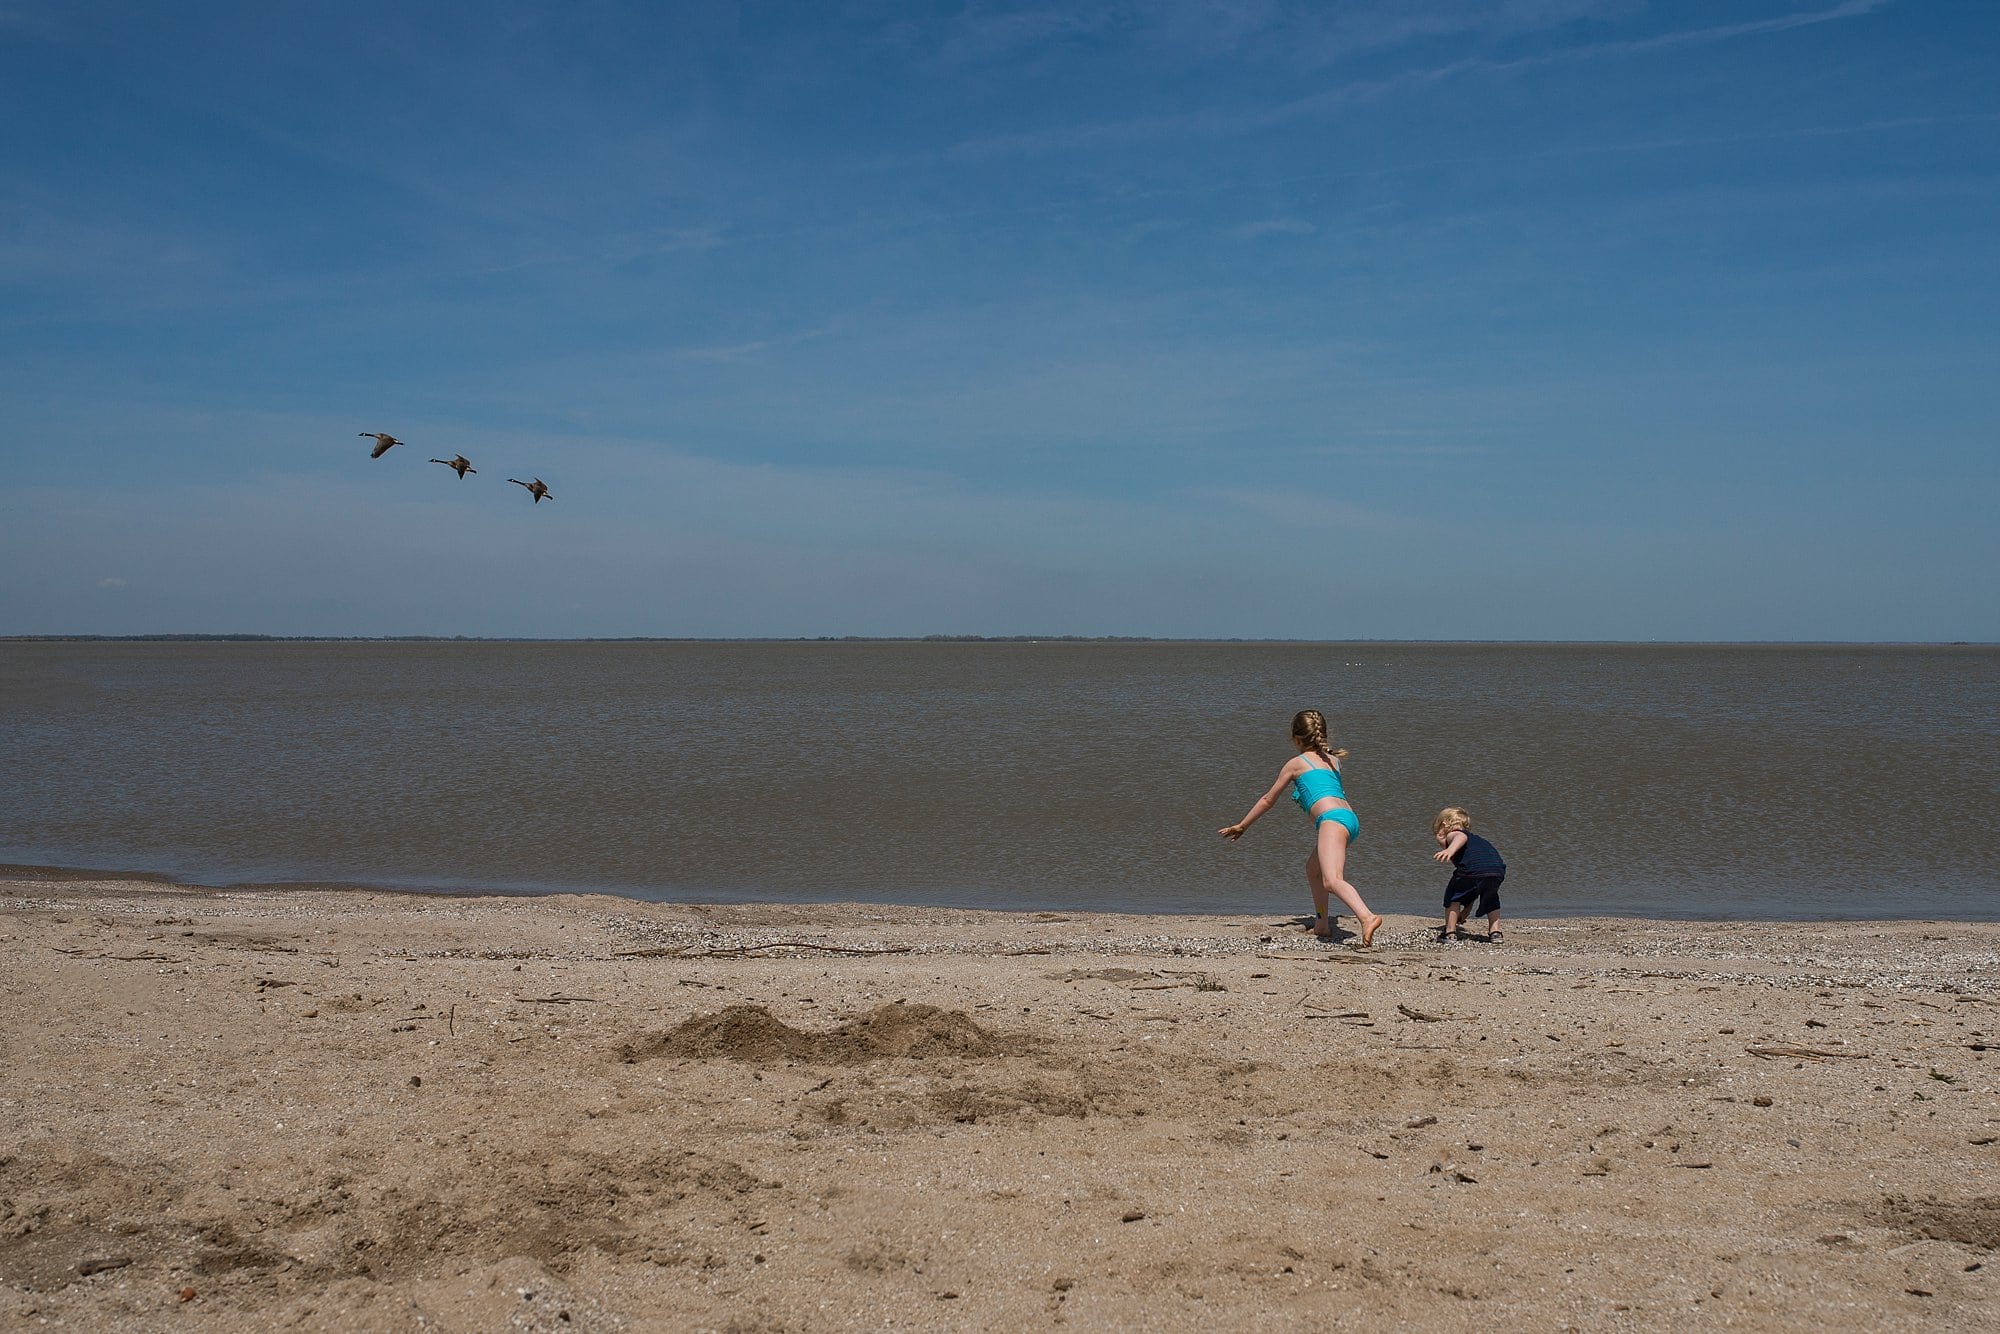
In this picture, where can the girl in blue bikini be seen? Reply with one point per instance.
(1314, 778)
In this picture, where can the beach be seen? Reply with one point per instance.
(326, 1108)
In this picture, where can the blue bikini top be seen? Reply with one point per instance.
(1316, 785)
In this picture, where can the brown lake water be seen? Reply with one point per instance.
(1706, 781)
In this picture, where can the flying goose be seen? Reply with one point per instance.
(459, 464)
(384, 442)
(534, 488)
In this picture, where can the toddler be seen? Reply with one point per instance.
(1476, 873)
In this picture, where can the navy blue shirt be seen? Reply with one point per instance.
(1478, 857)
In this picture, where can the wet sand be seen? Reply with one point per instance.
(344, 1110)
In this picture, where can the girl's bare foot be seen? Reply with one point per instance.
(1368, 929)
(1321, 927)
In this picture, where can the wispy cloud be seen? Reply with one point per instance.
(43, 21)
(1321, 36)
(1405, 452)
(653, 541)
(1216, 123)
(981, 33)
(1199, 31)
(1729, 31)
(746, 351)
(1251, 231)
(613, 251)
(1311, 510)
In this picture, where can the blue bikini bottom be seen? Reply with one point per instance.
(1342, 816)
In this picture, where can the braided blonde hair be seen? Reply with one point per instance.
(1309, 726)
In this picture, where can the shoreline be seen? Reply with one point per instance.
(11, 872)
(352, 1109)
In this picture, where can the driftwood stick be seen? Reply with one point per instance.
(1420, 1016)
(731, 951)
(1808, 1053)
(802, 945)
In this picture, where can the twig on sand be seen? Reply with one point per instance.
(1322, 958)
(1809, 1053)
(842, 949)
(147, 957)
(557, 1000)
(802, 945)
(729, 951)
(1420, 1016)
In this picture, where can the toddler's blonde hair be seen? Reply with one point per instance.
(1450, 820)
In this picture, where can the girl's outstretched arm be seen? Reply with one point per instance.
(1264, 803)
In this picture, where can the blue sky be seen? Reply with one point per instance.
(1568, 319)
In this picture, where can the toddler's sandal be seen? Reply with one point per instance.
(1496, 937)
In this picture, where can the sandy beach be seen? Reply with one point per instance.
(346, 1110)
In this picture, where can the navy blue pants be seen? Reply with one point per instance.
(1477, 895)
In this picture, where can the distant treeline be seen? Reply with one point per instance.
(218, 639)
(591, 639)
(964, 639)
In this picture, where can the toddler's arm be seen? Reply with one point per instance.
(1451, 846)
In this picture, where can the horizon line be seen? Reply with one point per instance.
(180, 637)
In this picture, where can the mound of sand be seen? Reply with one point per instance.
(753, 1033)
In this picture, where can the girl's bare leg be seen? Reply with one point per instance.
(1332, 858)
(1320, 926)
